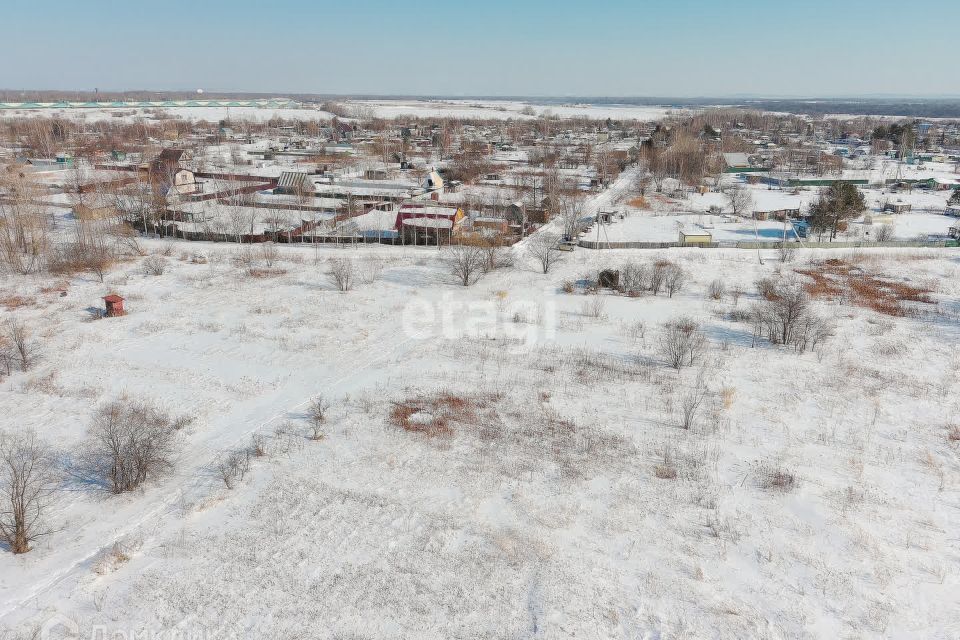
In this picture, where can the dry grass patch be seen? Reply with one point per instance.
(953, 433)
(836, 278)
(665, 472)
(265, 272)
(16, 302)
(774, 478)
(434, 415)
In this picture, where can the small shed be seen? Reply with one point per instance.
(695, 238)
(897, 207)
(114, 305)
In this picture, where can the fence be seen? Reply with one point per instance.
(590, 244)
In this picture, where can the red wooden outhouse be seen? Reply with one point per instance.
(114, 305)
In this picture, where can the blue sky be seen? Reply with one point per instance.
(495, 47)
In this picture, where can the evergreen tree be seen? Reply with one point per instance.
(955, 198)
(839, 202)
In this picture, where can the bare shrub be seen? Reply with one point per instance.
(131, 442)
(593, 308)
(258, 445)
(776, 478)
(317, 417)
(681, 342)
(674, 279)
(94, 257)
(658, 275)
(634, 278)
(286, 438)
(786, 252)
(269, 253)
(726, 396)
(181, 422)
(767, 288)
(636, 330)
(716, 290)
(786, 317)
(884, 233)
(22, 344)
(736, 291)
(154, 265)
(371, 271)
(28, 481)
(544, 249)
(343, 273)
(666, 469)
(690, 402)
(496, 255)
(466, 263)
(568, 286)
(234, 467)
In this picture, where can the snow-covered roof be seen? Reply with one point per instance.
(736, 159)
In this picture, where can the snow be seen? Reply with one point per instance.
(210, 114)
(542, 516)
(637, 227)
(504, 109)
(377, 532)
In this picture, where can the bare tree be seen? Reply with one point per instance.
(317, 416)
(495, 253)
(258, 445)
(675, 278)
(24, 227)
(786, 316)
(130, 442)
(740, 200)
(571, 214)
(658, 275)
(681, 342)
(234, 467)
(466, 263)
(736, 291)
(634, 277)
(23, 344)
(690, 401)
(28, 481)
(269, 253)
(543, 248)
(783, 309)
(343, 273)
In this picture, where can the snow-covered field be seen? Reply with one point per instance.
(210, 114)
(504, 109)
(540, 513)
(466, 109)
(640, 226)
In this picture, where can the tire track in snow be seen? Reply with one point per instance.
(199, 477)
